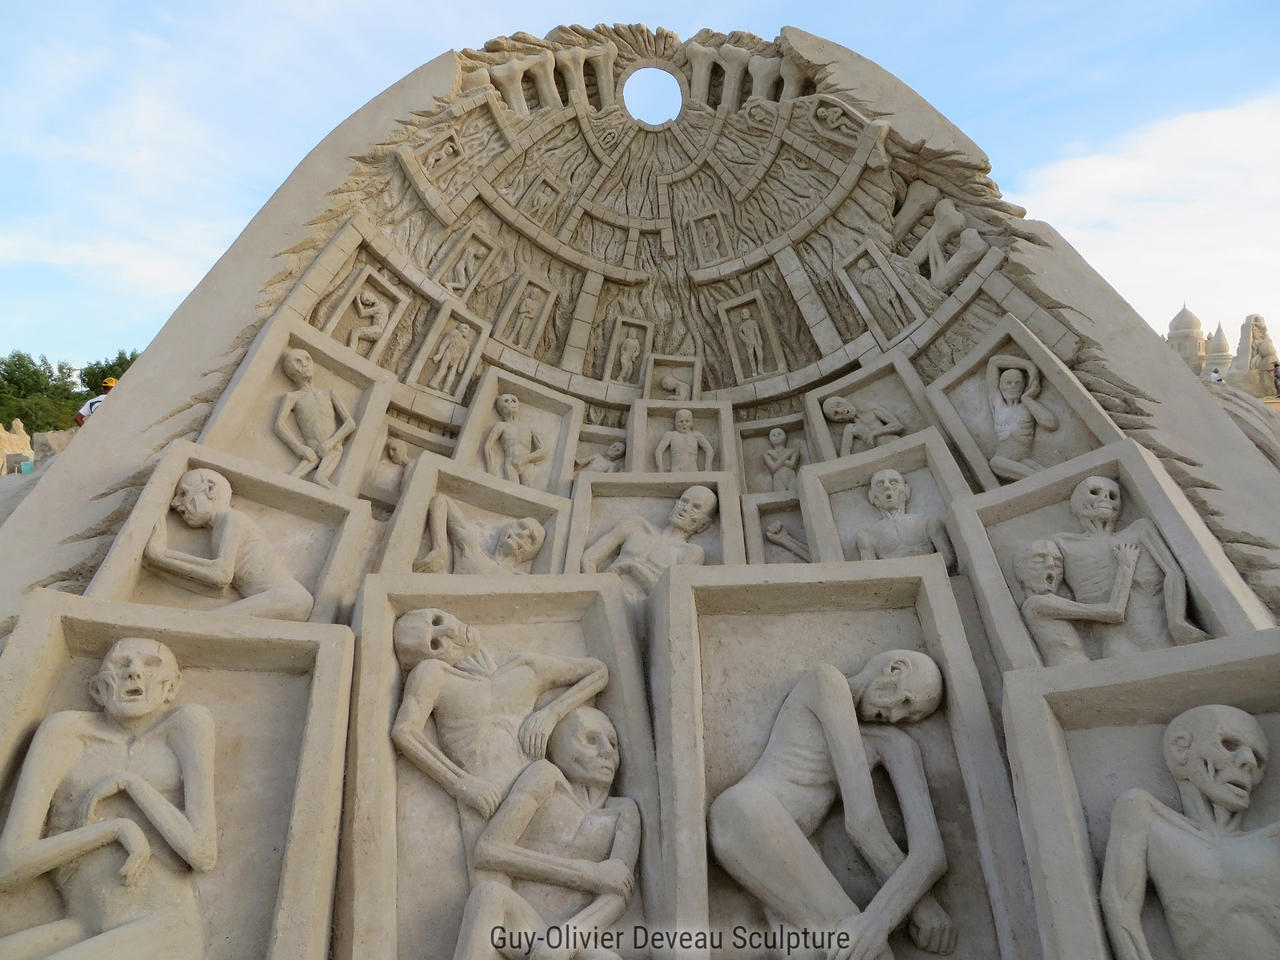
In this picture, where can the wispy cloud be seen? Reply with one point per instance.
(1184, 209)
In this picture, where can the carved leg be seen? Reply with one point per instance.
(39, 942)
(289, 601)
(1007, 469)
(162, 937)
(490, 907)
(325, 468)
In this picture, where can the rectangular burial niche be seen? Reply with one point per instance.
(450, 352)
(479, 508)
(710, 239)
(729, 647)
(761, 512)
(399, 445)
(835, 493)
(652, 420)
(887, 399)
(751, 337)
(989, 529)
(278, 694)
(459, 269)
(594, 445)
(321, 537)
(883, 303)
(765, 472)
(247, 419)
(601, 502)
(672, 377)
(1081, 736)
(628, 365)
(553, 418)
(366, 312)
(1060, 422)
(403, 879)
(525, 314)
(541, 200)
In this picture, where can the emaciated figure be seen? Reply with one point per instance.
(868, 426)
(118, 805)
(898, 533)
(1013, 384)
(512, 448)
(1219, 886)
(457, 542)
(684, 442)
(321, 417)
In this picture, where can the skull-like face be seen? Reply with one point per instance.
(200, 496)
(777, 436)
(837, 409)
(1219, 750)
(692, 513)
(298, 365)
(1039, 567)
(684, 420)
(905, 687)
(1012, 383)
(137, 678)
(520, 540)
(508, 406)
(584, 746)
(1097, 499)
(617, 450)
(889, 490)
(432, 634)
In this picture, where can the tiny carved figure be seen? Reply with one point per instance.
(898, 533)
(710, 239)
(644, 552)
(829, 735)
(868, 426)
(388, 473)
(370, 308)
(627, 354)
(684, 442)
(439, 156)
(559, 850)
(1051, 619)
(610, 461)
(458, 545)
(244, 559)
(1219, 886)
(117, 804)
(323, 423)
(749, 334)
(1156, 615)
(777, 533)
(464, 269)
(781, 461)
(677, 388)
(836, 121)
(451, 358)
(511, 448)
(1012, 387)
(525, 323)
(541, 202)
(884, 302)
(487, 727)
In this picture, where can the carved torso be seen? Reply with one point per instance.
(317, 421)
(1089, 569)
(904, 535)
(1015, 429)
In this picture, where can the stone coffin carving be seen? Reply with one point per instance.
(671, 436)
(404, 877)
(601, 449)
(773, 526)
(1184, 586)
(672, 377)
(629, 349)
(852, 514)
(728, 652)
(483, 527)
(881, 402)
(302, 404)
(530, 442)
(769, 461)
(1013, 408)
(1085, 748)
(277, 541)
(229, 774)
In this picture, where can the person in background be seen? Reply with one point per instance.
(85, 412)
(1216, 377)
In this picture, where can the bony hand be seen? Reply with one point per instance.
(136, 846)
(931, 928)
(614, 876)
(1126, 553)
(535, 732)
(479, 794)
(867, 940)
(775, 529)
(158, 542)
(106, 787)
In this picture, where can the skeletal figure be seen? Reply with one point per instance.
(368, 307)
(684, 442)
(458, 545)
(898, 533)
(451, 358)
(627, 354)
(870, 425)
(781, 461)
(749, 334)
(323, 423)
(1012, 387)
(512, 448)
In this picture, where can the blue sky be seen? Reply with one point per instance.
(139, 137)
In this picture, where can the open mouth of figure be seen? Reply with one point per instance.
(133, 691)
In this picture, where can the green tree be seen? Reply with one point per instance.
(43, 396)
(92, 374)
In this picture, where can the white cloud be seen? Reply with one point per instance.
(1187, 208)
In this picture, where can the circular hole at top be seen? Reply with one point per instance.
(652, 96)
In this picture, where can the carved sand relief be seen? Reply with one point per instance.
(525, 314)
(541, 201)
(773, 526)
(403, 440)
(769, 695)
(669, 377)
(441, 155)
(478, 725)
(771, 450)
(884, 303)
(302, 405)
(366, 317)
(132, 822)
(521, 432)
(751, 337)
(868, 408)
(450, 519)
(710, 238)
(601, 450)
(629, 348)
(671, 436)
(460, 269)
(215, 532)
(1160, 767)
(450, 352)
(1094, 558)
(1013, 408)
(888, 502)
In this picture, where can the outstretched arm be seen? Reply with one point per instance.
(663, 444)
(1124, 875)
(596, 554)
(584, 676)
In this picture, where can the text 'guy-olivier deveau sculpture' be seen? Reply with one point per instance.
(118, 805)
(820, 752)
(1219, 886)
